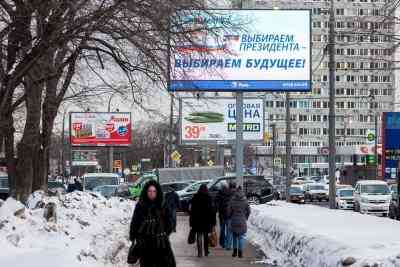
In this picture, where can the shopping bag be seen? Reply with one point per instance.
(213, 238)
(191, 237)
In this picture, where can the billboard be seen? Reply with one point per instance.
(242, 50)
(84, 158)
(213, 120)
(100, 128)
(391, 144)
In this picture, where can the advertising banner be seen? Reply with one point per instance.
(84, 158)
(391, 144)
(100, 129)
(246, 50)
(213, 120)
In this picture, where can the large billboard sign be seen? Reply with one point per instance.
(100, 128)
(242, 50)
(213, 120)
(391, 144)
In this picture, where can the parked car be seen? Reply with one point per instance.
(92, 180)
(256, 188)
(372, 197)
(296, 194)
(394, 211)
(299, 180)
(106, 191)
(4, 188)
(176, 186)
(186, 194)
(315, 191)
(345, 198)
(55, 186)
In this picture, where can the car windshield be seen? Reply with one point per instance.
(295, 190)
(317, 187)
(179, 186)
(91, 182)
(53, 184)
(106, 190)
(194, 187)
(3, 182)
(375, 189)
(346, 193)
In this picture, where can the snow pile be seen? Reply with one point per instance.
(88, 230)
(311, 236)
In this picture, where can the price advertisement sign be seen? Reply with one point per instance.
(213, 120)
(100, 128)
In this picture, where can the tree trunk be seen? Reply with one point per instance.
(29, 146)
(10, 153)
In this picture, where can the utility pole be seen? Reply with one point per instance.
(111, 148)
(273, 150)
(332, 128)
(171, 126)
(288, 145)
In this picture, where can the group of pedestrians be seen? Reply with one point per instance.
(233, 212)
(154, 219)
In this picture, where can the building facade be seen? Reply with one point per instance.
(365, 84)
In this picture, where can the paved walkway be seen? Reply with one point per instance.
(186, 255)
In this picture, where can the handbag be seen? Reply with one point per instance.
(212, 238)
(191, 237)
(135, 252)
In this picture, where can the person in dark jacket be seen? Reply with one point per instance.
(221, 203)
(238, 213)
(173, 204)
(151, 226)
(202, 218)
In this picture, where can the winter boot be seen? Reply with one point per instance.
(235, 251)
(240, 254)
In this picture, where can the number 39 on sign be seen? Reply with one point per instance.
(193, 131)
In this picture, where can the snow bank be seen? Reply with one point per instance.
(89, 231)
(311, 236)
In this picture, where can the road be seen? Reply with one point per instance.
(186, 255)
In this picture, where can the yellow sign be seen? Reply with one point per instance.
(117, 164)
(176, 156)
(267, 137)
(210, 163)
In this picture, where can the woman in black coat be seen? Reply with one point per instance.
(150, 227)
(202, 218)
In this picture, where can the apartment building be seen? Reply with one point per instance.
(365, 83)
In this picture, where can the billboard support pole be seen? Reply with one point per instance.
(171, 124)
(111, 158)
(288, 146)
(239, 138)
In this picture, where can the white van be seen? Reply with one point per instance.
(372, 197)
(92, 180)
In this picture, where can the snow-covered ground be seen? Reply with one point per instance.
(311, 236)
(89, 231)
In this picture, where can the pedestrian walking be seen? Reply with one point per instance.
(150, 229)
(221, 202)
(202, 219)
(173, 204)
(238, 213)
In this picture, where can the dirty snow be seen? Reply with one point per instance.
(89, 231)
(306, 235)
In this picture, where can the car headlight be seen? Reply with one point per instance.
(342, 202)
(364, 200)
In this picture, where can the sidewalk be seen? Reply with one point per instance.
(186, 255)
